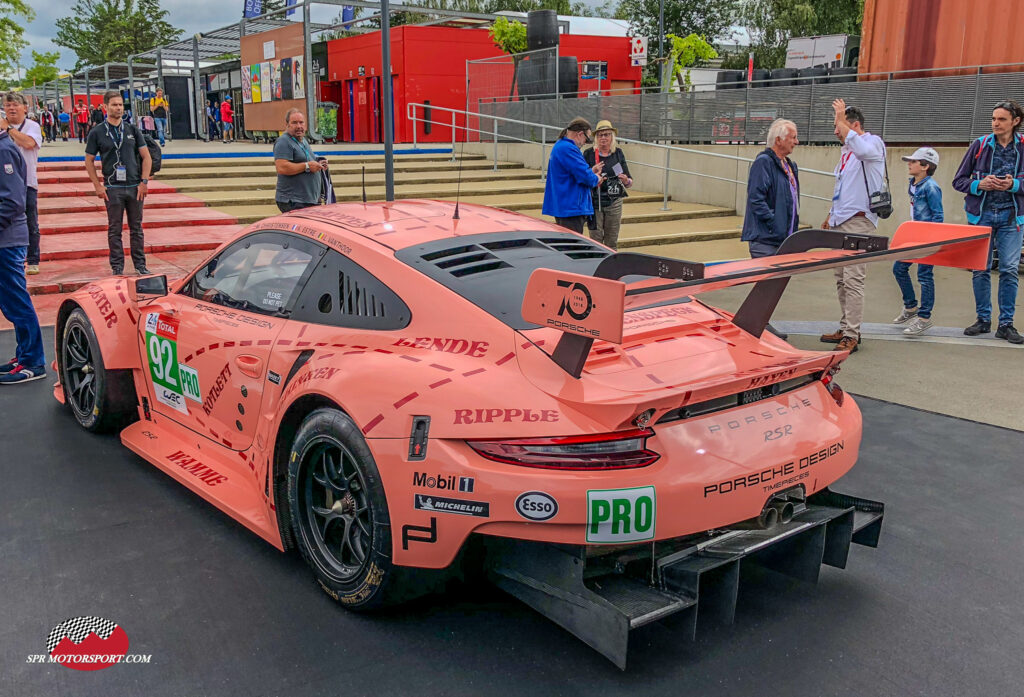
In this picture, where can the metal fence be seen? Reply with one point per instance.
(932, 110)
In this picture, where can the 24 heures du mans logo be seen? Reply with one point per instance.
(88, 643)
(577, 301)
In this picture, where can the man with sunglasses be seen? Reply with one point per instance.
(570, 179)
(991, 176)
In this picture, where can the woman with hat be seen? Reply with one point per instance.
(608, 196)
(570, 179)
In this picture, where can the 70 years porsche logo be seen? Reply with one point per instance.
(577, 301)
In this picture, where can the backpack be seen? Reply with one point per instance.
(155, 154)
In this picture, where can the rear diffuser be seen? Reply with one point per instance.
(601, 598)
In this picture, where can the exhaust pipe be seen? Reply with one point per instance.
(768, 518)
(784, 508)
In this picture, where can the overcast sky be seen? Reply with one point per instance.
(190, 15)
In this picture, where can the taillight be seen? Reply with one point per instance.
(828, 379)
(606, 451)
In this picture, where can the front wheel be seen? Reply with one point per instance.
(339, 513)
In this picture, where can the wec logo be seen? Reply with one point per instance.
(577, 301)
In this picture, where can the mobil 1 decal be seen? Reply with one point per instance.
(621, 515)
(172, 382)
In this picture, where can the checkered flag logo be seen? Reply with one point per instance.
(78, 628)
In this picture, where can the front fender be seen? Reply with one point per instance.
(114, 318)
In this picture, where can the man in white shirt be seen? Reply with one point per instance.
(861, 169)
(27, 135)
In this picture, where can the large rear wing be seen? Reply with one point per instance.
(592, 307)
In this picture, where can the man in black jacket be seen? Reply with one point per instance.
(773, 192)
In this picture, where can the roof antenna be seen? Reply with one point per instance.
(364, 183)
(462, 147)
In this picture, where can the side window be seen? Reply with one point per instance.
(340, 293)
(258, 273)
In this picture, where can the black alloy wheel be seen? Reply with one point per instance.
(99, 399)
(79, 372)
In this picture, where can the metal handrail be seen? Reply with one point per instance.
(669, 149)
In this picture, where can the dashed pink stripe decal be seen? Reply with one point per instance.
(410, 358)
(200, 351)
(303, 330)
(654, 379)
(247, 342)
(440, 382)
(229, 344)
(505, 359)
(442, 367)
(264, 342)
(473, 372)
(302, 343)
(406, 399)
(373, 423)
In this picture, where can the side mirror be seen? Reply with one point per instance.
(147, 286)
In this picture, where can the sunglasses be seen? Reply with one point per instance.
(1009, 106)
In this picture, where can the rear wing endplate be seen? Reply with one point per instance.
(592, 307)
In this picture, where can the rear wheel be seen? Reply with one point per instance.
(99, 399)
(339, 513)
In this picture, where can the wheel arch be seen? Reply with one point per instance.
(293, 417)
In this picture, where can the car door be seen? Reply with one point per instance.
(208, 346)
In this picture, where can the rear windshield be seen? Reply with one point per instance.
(492, 270)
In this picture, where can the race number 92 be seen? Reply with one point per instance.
(163, 361)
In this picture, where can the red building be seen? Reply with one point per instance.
(428, 64)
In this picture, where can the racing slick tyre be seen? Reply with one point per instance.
(100, 399)
(339, 514)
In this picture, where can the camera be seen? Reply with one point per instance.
(880, 204)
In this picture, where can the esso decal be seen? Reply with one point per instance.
(536, 505)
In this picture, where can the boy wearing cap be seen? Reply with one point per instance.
(926, 203)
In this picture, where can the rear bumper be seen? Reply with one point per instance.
(602, 599)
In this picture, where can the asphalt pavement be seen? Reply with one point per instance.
(92, 530)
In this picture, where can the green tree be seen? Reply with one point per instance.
(687, 52)
(12, 33)
(510, 37)
(710, 18)
(105, 31)
(44, 68)
(772, 23)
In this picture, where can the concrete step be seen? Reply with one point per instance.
(650, 212)
(62, 224)
(494, 196)
(68, 275)
(248, 161)
(87, 204)
(675, 231)
(204, 170)
(345, 182)
(86, 189)
(80, 245)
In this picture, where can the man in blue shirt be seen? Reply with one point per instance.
(29, 362)
(567, 192)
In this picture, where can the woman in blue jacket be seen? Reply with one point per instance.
(567, 193)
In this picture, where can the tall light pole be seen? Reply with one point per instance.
(661, 43)
(385, 49)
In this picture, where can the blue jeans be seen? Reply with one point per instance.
(161, 126)
(901, 270)
(16, 306)
(1006, 237)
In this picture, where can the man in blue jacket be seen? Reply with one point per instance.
(991, 176)
(15, 303)
(773, 192)
(567, 192)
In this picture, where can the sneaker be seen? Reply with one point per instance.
(117, 272)
(833, 338)
(919, 325)
(142, 271)
(1010, 333)
(8, 366)
(32, 269)
(847, 343)
(21, 373)
(979, 327)
(906, 314)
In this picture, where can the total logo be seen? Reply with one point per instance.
(447, 482)
(88, 643)
(621, 515)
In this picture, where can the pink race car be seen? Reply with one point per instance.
(398, 390)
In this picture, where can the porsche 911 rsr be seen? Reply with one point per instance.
(396, 392)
